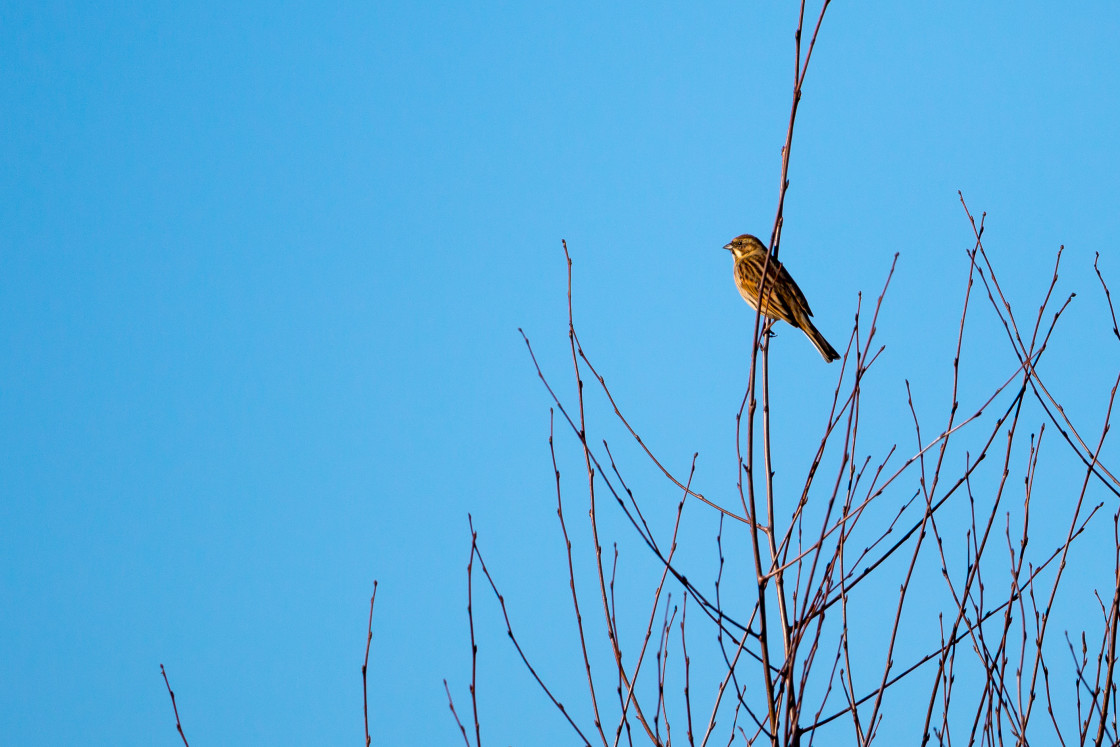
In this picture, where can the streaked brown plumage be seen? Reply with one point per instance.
(782, 298)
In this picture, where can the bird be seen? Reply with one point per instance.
(782, 299)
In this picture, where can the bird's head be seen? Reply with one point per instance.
(743, 245)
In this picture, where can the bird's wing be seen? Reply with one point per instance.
(797, 297)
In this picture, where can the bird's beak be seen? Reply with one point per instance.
(727, 247)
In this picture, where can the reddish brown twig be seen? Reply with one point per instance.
(1048, 402)
(174, 707)
(365, 662)
(687, 666)
(474, 644)
(451, 705)
(656, 599)
(638, 438)
(476, 552)
(799, 72)
(1107, 295)
(572, 583)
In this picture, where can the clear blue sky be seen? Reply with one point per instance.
(262, 268)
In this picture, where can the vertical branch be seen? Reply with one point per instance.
(663, 640)
(761, 572)
(798, 82)
(612, 634)
(474, 644)
(779, 575)
(614, 622)
(365, 662)
(662, 667)
(687, 663)
(762, 578)
(1110, 633)
(572, 582)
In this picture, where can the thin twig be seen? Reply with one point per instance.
(572, 582)
(365, 662)
(477, 553)
(451, 705)
(174, 707)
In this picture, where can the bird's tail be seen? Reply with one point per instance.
(827, 351)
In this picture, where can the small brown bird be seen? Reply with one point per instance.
(782, 298)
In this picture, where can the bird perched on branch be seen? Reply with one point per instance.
(781, 299)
